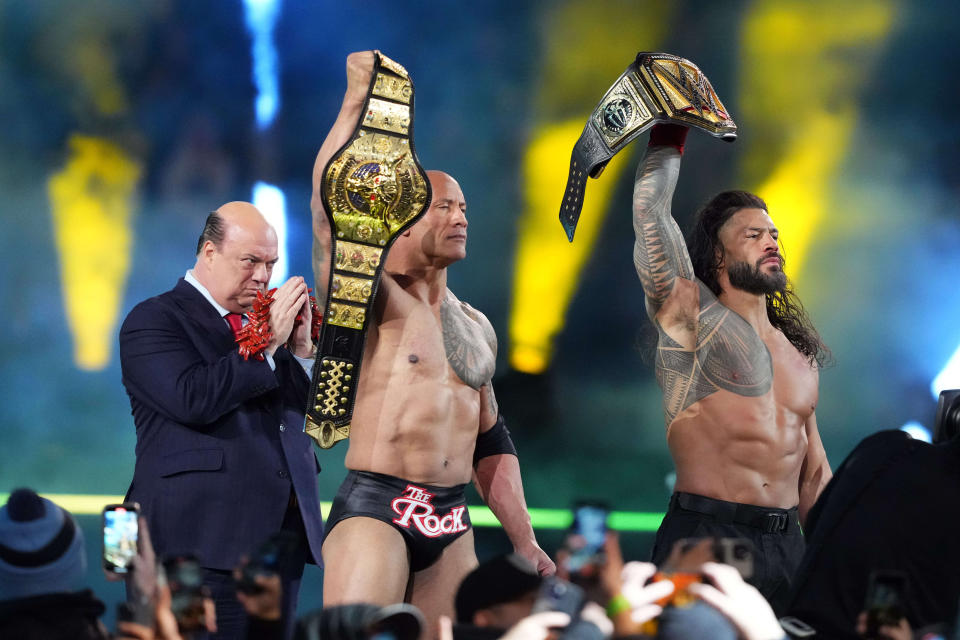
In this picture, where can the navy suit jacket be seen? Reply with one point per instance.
(220, 440)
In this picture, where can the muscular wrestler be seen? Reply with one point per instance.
(737, 360)
(425, 419)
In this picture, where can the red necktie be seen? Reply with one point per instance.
(235, 320)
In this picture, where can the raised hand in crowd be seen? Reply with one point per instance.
(537, 626)
(261, 595)
(594, 614)
(265, 602)
(901, 631)
(740, 602)
(640, 596)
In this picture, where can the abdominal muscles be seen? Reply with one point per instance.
(416, 427)
(739, 449)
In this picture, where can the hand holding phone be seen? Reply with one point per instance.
(559, 595)
(885, 604)
(586, 539)
(689, 553)
(187, 592)
(268, 560)
(120, 536)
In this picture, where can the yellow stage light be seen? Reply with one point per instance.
(548, 267)
(92, 199)
(586, 47)
(803, 68)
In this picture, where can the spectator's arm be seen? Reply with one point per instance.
(740, 602)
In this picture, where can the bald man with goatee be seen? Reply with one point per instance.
(222, 461)
(426, 421)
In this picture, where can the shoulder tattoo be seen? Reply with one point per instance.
(492, 405)
(467, 344)
(729, 355)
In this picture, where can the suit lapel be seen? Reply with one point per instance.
(207, 320)
(202, 315)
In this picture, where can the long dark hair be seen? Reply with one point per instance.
(784, 309)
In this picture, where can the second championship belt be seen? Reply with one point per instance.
(657, 87)
(373, 189)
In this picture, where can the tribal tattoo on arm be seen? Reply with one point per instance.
(659, 254)
(713, 348)
(469, 341)
(489, 405)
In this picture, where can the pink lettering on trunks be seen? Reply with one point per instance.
(414, 507)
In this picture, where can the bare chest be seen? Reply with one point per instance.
(723, 353)
(795, 380)
(415, 342)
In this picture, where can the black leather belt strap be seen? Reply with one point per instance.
(373, 189)
(657, 87)
(768, 519)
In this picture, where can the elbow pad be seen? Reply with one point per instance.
(494, 441)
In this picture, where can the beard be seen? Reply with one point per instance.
(753, 280)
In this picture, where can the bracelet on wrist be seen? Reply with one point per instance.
(617, 605)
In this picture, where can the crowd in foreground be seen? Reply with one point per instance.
(43, 567)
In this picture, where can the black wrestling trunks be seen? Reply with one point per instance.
(428, 517)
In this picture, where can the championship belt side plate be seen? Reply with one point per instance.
(373, 189)
(657, 87)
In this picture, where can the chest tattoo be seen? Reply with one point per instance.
(729, 355)
(468, 353)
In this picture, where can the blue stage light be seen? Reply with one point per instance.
(273, 205)
(917, 431)
(949, 377)
(261, 18)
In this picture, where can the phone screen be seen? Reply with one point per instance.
(590, 524)
(885, 599)
(120, 531)
(187, 591)
(559, 595)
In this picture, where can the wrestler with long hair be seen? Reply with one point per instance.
(738, 362)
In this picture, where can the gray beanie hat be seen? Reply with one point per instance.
(41, 548)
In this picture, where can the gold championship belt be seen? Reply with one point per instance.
(657, 87)
(373, 189)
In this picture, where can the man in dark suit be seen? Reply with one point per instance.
(222, 460)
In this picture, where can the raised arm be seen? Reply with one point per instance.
(359, 71)
(660, 254)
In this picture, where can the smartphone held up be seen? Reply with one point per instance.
(585, 540)
(120, 534)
